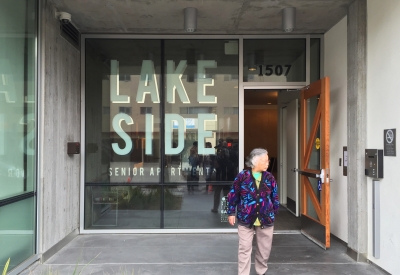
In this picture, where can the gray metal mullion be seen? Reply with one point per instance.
(241, 105)
(308, 60)
(83, 126)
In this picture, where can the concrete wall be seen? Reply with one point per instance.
(335, 66)
(60, 114)
(357, 208)
(383, 98)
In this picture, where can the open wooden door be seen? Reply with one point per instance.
(314, 162)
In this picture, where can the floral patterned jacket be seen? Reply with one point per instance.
(252, 203)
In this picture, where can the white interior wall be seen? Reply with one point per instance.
(383, 98)
(283, 159)
(335, 66)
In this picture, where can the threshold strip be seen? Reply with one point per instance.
(203, 263)
(278, 232)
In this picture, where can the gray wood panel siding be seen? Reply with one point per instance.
(61, 115)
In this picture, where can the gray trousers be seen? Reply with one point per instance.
(263, 248)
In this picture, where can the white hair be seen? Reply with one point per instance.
(255, 154)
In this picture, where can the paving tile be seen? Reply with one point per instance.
(208, 269)
(182, 254)
(117, 255)
(322, 269)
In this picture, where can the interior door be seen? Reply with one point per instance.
(314, 162)
(292, 153)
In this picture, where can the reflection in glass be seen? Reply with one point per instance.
(201, 124)
(186, 211)
(17, 227)
(124, 140)
(122, 207)
(274, 60)
(310, 207)
(314, 162)
(17, 98)
(312, 104)
(201, 128)
(18, 36)
(315, 59)
(191, 93)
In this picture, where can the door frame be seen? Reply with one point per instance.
(281, 146)
(290, 171)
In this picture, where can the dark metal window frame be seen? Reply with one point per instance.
(17, 198)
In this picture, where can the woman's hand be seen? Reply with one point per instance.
(232, 220)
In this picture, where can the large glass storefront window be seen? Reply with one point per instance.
(201, 130)
(161, 132)
(17, 130)
(123, 155)
(315, 59)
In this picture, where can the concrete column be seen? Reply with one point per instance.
(357, 130)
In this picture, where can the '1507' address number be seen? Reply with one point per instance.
(277, 70)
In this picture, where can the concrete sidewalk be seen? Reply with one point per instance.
(183, 254)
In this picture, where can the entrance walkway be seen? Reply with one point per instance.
(184, 254)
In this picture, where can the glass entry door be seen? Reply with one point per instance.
(314, 162)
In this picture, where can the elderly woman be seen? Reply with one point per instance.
(254, 194)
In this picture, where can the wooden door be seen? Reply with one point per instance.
(314, 162)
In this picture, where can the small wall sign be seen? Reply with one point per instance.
(317, 143)
(389, 141)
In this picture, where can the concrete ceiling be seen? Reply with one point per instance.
(214, 16)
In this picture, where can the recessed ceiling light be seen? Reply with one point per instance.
(269, 103)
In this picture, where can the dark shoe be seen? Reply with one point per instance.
(214, 210)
